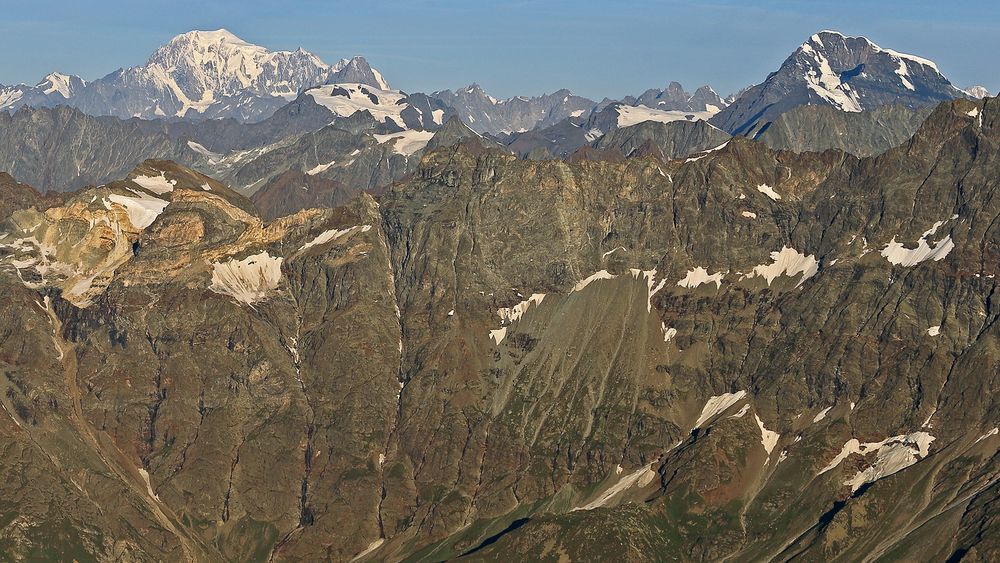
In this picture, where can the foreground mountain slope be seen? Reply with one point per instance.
(132, 378)
(598, 412)
(849, 73)
(552, 359)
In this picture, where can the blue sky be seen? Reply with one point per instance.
(515, 47)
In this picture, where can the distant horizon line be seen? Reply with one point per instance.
(475, 82)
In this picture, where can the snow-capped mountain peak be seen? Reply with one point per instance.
(63, 84)
(852, 74)
(203, 74)
(675, 98)
(357, 70)
(55, 89)
(396, 110)
(199, 66)
(978, 92)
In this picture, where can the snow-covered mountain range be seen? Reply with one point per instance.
(54, 89)
(198, 74)
(215, 74)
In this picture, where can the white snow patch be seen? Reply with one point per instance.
(382, 108)
(787, 261)
(893, 454)
(631, 115)
(248, 280)
(200, 149)
(57, 82)
(911, 58)
(768, 438)
(934, 330)
(149, 486)
(749, 214)
(903, 73)
(333, 234)
(600, 275)
(142, 210)
(700, 275)
(718, 404)
(993, 432)
(159, 185)
(821, 415)
(826, 83)
(899, 255)
(668, 333)
(651, 290)
(513, 313)
(371, 547)
(706, 153)
(639, 478)
(927, 423)
(742, 412)
(498, 334)
(407, 142)
(320, 168)
(768, 191)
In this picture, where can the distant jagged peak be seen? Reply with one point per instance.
(850, 73)
(357, 69)
(978, 92)
(63, 84)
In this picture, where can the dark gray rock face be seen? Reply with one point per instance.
(573, 133)
(849, 73)
(866, 133)
(486, 114)
(63, 149)
(676, 139)
(674, 97)
(555, 141)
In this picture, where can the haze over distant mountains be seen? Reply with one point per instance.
(215, 74)
(210, 100)
(199, 74)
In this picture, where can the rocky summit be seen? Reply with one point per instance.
(336, 321)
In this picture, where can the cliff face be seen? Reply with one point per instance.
(817, 128)
(746, 353)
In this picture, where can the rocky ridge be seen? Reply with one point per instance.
(505, 356)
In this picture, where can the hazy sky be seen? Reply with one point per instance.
(594, 48)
